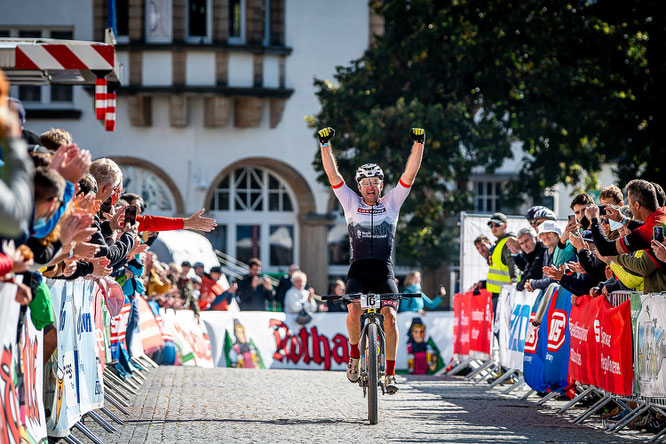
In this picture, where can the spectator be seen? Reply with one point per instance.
(661, 196)
(503, 269)
(17, 178)
(53, 139)
(413, 285)
(185, 266)
(549, 233)
(222, 300)
(578, 205)
(285, 284)
(254, 292)
(642, 199)
(530, 260)
(297, 297)
(338, 288)
(654, 279)
(483, 246)
(198, 268)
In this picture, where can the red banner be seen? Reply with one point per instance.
(473, 319)
(601, 345)
(460, 324)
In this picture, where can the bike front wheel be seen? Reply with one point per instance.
(373, 372)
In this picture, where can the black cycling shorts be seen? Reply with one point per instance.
(372, 276)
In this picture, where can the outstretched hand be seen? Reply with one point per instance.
(196, 222)
(325, 135)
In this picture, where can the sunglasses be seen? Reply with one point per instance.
(494, 224)
(367, 182)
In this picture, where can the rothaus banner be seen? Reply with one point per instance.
(21, 373)
(514, 308)
(276, 340)
(651, 346)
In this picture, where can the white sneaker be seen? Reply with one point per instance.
(352, 369)
(391, 384)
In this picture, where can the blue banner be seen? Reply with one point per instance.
(556, 367)
(535, 350)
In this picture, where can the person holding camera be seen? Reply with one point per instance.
(254, 291)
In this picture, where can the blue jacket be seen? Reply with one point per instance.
(417, 304)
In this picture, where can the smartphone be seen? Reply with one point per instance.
(572, 217)
(105, 207)
(602, 210)
(658, 233)
(130, 215)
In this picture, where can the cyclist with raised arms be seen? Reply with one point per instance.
(371, 222)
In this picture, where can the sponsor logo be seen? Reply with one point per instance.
(532, 336)
(600, 335)
(557, 330)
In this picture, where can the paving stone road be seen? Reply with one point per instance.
(194, 405)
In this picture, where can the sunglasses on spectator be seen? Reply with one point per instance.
(494, 224)
(374, 181)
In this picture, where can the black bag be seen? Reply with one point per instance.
(303, 316)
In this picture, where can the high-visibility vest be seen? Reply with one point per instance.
(498, 274)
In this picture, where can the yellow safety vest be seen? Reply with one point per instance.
(498, 274)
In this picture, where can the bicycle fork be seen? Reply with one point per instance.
(363, 374)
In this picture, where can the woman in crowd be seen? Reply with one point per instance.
(297, 297)
(413, 285)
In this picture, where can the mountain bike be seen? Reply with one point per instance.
(372, 344)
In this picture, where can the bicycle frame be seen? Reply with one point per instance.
(372, 316)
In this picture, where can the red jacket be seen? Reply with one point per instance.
(6, 264)
(159, 223)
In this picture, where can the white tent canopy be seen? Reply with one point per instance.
(183, 245)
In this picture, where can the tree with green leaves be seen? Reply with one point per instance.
(576, 84)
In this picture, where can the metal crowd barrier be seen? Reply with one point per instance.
(484, 369)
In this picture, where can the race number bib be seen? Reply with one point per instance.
(370, 301)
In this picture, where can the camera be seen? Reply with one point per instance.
(602, 210)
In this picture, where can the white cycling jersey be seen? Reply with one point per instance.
(371, 228)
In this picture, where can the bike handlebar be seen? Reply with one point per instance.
(382, 296)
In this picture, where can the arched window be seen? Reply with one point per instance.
(256, 217)
(150, 187)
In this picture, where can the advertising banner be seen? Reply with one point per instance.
(63, 370)
(22, 417)
(556, 361)
(583, 366)
(535, 347)
(651, 346)
(190, 337)
(613, 336)
(9, 418)
(149, 331)
(514, 310)
(480, 321)
(276, 340)
(89, 368)
(461, 325)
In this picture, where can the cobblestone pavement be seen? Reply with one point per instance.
(193, 405)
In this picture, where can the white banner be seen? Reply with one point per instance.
(276, 340)
(650, 364)
(89, 367)
(62, 371)
(513, 315)
(190, 337)
(9, 418)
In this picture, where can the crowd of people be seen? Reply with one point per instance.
(604, 247)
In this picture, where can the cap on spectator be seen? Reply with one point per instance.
(196, 279)
(198, 264)
(216, 269)
(186, 264)
(550, 227)
(498, 218)
(18, 107)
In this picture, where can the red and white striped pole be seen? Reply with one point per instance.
(110, 121)
(100, 98)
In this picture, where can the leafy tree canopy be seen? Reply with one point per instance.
(577, 83)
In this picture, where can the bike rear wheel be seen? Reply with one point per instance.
(373, 372)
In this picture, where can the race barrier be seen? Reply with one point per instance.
(276, 340)
(613, 347)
